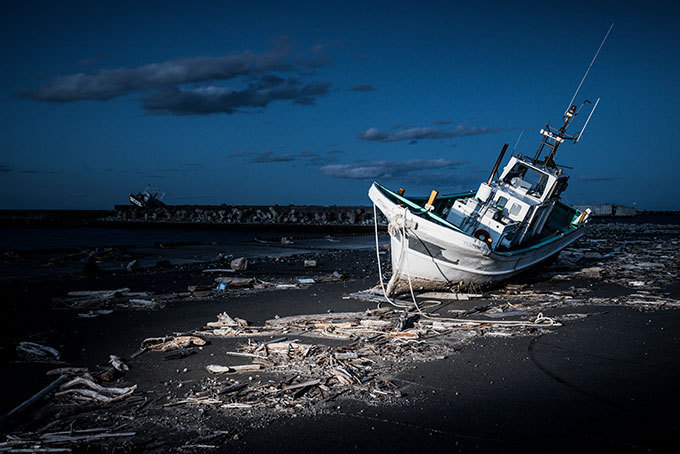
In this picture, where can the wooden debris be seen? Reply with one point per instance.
(80, 381)
(224, 320)
(118, 364)
(411, 334)
(37, 397)
(236, 282)
(215, 369)
(95, 313)
(118, 298)
(31, 351)
(200, 288)
(449, 296)
(304, 384)
(69, 371)
(166, 344)
(219, 270)
(239, 264)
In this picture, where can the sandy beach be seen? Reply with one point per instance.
(596, 370)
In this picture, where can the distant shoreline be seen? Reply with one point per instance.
(305, 218)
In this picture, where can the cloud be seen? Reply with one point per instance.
(311, 157)
(387, 169)
(110, 83)
(194, 86)
(363, 87)
(317, 159)
(215, 99)
(419, 133)
(269, 156)
(5, 168)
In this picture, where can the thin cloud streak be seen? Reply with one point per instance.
(269, 156)
(386, 169)
(420, 133)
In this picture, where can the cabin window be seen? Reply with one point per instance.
(527, 178)
(501, 202)
(515, 209)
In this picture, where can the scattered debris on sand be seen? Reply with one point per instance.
(301, 364)
(30, 351)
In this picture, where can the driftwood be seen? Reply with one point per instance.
(80, 381)
(235, 282)
(83, 389)
(313, 318)
(118, 363)
(32, 352)
(53, 438)
(215, 369)
(301, 385)
(68, 371)
(449, 296)
(100, 294)
(166, 344)
(239, 264)
(37, 397)
(224, 320)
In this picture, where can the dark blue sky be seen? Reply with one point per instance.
(249, 102)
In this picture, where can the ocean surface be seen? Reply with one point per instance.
(46, 238)
(43, 251)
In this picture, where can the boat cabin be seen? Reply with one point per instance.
(512, 209)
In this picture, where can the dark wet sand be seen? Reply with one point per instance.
(603, 383)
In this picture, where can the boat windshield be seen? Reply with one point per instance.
(528, 178)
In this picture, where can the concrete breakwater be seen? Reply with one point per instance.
(265, 215)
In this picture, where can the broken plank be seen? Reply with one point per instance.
(216, 369)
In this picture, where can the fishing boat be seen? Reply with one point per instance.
(513, 222)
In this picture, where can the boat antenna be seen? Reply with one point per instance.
(553, 137)
(518, 139)
(590, 66)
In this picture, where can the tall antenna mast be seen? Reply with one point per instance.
(590, 66)
(553, 137)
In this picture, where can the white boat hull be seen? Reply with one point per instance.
(434, 256)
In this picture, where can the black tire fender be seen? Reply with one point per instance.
(484, 236)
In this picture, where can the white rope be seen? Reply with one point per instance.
(540, 320)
